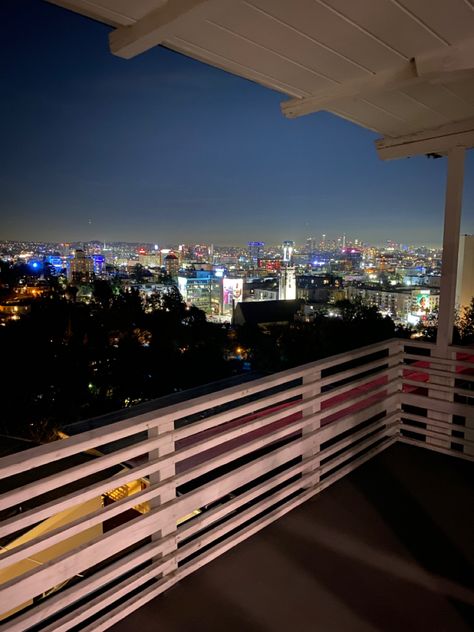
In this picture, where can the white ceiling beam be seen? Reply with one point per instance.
(453, 59)
(393, 79)
(435, 141)
(440, 65)
(153, 28)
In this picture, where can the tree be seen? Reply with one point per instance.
(466, 324)
(102, 293)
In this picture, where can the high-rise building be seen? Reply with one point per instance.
(288, 248)
(203, 290)
(99, 264)
(287, 283)
(465, 280)
(255, 251)
(80, 268)
(171, 262)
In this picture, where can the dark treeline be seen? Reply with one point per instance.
(68, 360)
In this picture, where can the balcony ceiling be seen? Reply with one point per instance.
(393, 66)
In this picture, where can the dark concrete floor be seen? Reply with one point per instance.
(389, 547)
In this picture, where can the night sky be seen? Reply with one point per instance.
(164, 149)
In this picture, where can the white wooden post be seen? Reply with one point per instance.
(314, 445)
(169, 492)
(452, 229)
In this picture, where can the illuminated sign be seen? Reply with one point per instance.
(232, 291)
(423, 302)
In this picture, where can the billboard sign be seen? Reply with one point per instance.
(232, 291)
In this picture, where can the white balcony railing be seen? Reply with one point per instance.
(211, 472)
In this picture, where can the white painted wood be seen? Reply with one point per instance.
(452, 226)
(439, 140)
(383, 389)
(165, 488)
(152, 29)
(438, 405)
(380, 364)
(451, 21)
(313, 446)
(438, 438)
(113, 12)
(49, 452)
(392, 79)
(125, 609)
(166, 472)
(459, 57)
(328, 30)
(95, 551)
(166, 508)
(64, 477)
(439, 388)
(241, 411)
(397, 28)
(85, 7)
(68, 596)
(427, 420)
(446, 364)
(108, 597)
(27, 518)
(168, 461)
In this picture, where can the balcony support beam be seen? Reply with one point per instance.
(445, 64)
(435, 141)
(153, 28)
(452, 228)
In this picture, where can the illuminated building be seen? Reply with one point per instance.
(287, 283)
(465, 282)
(407, 305)
(150, 260)
(288, 248)
(319, 288)
(203, 290)
(56, 261)
(255, 251)
(350, 259)
(99, 264)
(171, 262)
(270, 265)
(80, 268)
(232, 293)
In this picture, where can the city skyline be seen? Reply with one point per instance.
(96, 147)
(331, 241)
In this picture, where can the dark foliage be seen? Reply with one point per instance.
(68, 360)
(282, 347)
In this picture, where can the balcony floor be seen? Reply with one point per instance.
(389, 547)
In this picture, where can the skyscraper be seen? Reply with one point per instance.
(255, 251)
(171, 262)
(288, 248)
(80, 268)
